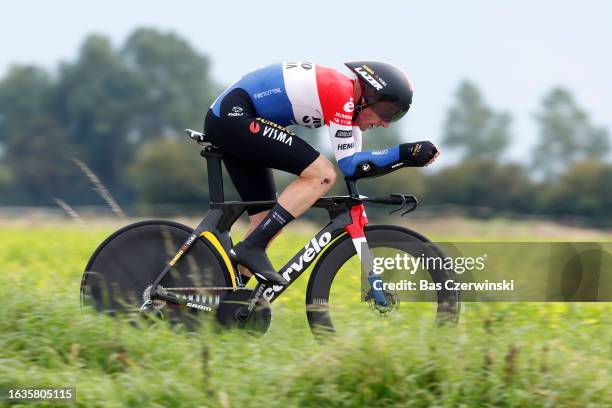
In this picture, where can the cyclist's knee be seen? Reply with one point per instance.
(322, 170)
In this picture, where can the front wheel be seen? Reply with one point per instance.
(337, 297)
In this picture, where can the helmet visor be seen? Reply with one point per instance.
(388, 111)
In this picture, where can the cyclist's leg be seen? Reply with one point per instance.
(253, 183)
(261, 142)
(314, 181)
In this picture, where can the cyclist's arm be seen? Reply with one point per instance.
(347, 149)
(379, 158)
(346, 142)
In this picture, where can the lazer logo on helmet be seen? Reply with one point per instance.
(307, 255)
(368, 69)
(369, 78)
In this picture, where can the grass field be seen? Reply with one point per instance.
(500, 354)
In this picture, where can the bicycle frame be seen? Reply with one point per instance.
(347, 214)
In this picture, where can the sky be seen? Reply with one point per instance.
(515, 51)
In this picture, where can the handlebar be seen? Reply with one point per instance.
(407, 203)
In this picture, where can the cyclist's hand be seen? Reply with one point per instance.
(433, 159)
(418, 153)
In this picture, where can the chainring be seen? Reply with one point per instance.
(257, 323)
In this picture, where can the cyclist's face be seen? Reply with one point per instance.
(368, 119)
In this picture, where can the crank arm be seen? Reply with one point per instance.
(192, 301)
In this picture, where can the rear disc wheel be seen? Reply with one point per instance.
(119, 272)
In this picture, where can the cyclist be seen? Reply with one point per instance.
(247, 121)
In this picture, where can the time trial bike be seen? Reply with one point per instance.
(166, 269)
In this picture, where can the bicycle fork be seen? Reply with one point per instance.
(357, 234)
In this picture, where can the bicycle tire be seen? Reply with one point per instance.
(342, 250)
(125, 263)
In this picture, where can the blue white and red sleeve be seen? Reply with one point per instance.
(336, 98)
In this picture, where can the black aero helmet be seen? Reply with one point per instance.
(383, 83)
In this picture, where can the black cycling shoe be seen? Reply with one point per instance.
(256, 260)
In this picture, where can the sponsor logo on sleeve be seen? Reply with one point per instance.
(303, 64)
(349, 106)
(312, 121)
(268, 92)
(344, 133)
(380, 152)
(346, 146)
(343, 118)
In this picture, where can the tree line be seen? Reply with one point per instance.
(102, 108)
(121, 111)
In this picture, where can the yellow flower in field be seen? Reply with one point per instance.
(590, 321)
